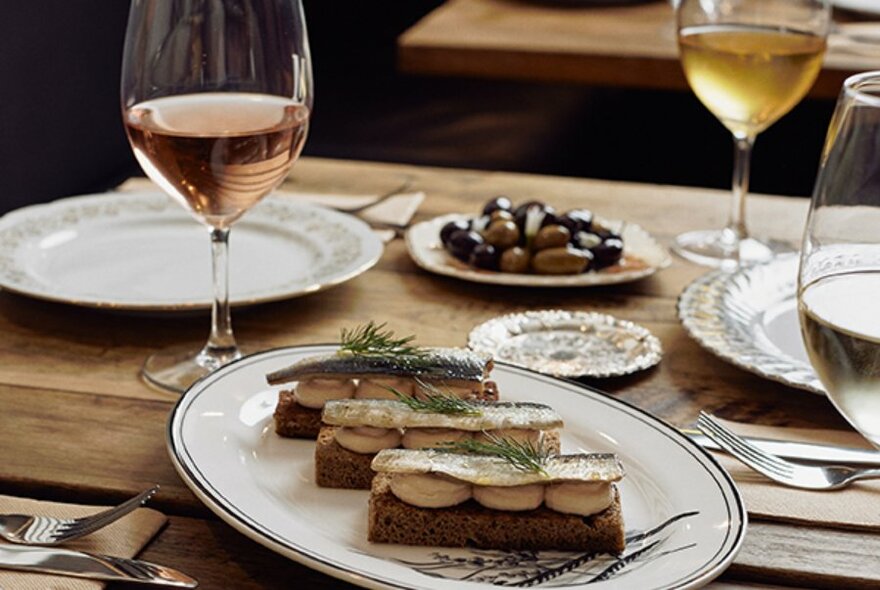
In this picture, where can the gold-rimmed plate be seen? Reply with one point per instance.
(140, 251)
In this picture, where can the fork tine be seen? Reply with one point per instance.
(744, 454)
(769, 461)
(88, 524)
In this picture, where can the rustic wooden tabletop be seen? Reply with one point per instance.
(78, 425)
(630, 45)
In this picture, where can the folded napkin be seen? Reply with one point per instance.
(857, 506)
(397, 210)
(124, 538)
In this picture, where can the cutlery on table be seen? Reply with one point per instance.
(797, 475)
(88, 565)
(803, 451)
(380, 199)
(28, 529)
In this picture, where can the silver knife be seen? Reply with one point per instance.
(822, 453)
(65, 562)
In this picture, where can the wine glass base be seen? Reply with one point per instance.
(174, 369)
(716, 249)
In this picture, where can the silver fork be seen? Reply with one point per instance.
(796, 475)
(380, 199)
(27, 529)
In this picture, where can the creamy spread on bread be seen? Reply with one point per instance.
(430, 438)
(579, 498)
(367, 440)
(384, 387)
(430, 491)
(459, 389)
(314, 393)
(512, 498)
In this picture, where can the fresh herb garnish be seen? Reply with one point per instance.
(523, 455)
(436, 401)
(375, 340)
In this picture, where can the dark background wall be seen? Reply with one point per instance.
(61, 134)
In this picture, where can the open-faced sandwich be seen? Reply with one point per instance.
(372, 363)
(512, 497)
(358, 429)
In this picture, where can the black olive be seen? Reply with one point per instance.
(452, 227)
(499, 203)
(519, 216)
(607, 253)
(591, 261)
(550, 219)
(463, 242)
(577, 220)
(521, 209)
(485, 256)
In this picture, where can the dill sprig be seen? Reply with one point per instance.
(374, 339)
(437, 402)
(523, 455)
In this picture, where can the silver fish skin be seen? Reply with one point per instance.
(437, 364)
(383, 413)
(494, 471)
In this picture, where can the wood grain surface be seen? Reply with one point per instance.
(626, 46)
(77, 423)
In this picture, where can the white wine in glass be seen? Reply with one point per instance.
(749, 62)
(216, 98)
(839, 279)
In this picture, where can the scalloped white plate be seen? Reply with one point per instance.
(140, 251)
(222, 443)
(749, 318)
(423, 243)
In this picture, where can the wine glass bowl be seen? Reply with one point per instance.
(216, 97)
(839, 277)
(749, 62)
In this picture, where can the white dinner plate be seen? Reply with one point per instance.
(423, 243)
(141, 251)
(221, 440)
(749, 318)
(871, 7)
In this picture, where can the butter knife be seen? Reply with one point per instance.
(65, 562)
(821, 453)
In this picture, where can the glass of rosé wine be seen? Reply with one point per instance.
(216, 97)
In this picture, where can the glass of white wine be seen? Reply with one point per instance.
(216, 98)
(839, 279)
(749, 62)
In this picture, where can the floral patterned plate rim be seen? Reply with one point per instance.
(568, 343)
(423, 244)
(140, 251)
(685, 519)
(749, 318)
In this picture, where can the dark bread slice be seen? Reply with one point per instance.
(471, 525)
(337, 467)
(295, 421)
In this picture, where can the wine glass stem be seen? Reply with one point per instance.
(742, 159)
(221, 347)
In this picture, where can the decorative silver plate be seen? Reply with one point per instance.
(568, 344)
(140, 251)
(749, 318)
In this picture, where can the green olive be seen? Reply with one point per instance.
(551, 236)
(501, 215)
(560, 261)
(515, 260)
(502, 234)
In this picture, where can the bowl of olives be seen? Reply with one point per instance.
(533, 244)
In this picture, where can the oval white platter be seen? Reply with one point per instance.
(140, 251)
(423, 243)
(750, 319)
(684, 517)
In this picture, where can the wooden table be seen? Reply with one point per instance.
(624, 46)
(76, 423)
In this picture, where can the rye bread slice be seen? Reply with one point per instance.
(471, 525)
(337, 467)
